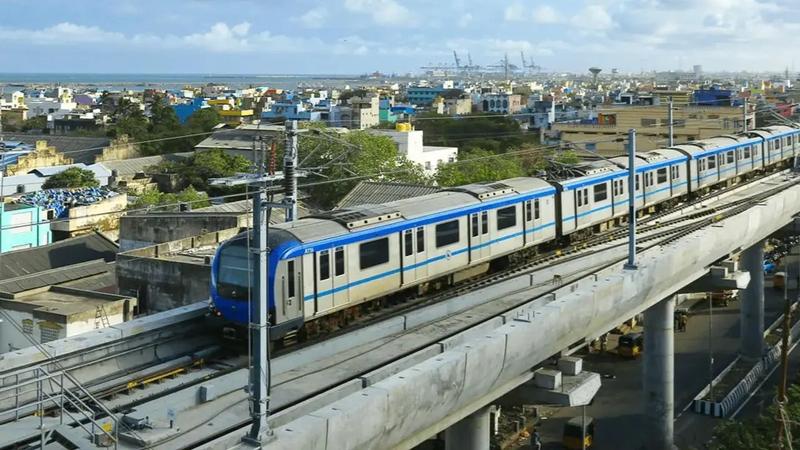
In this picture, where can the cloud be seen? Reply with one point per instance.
(545, 14)
(64, 33)
(465, 20)
(314, 18)
(383, 12)
(593, 18)
(515, 12)
(222, 38)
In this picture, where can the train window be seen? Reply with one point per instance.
(373, 253)
(233, 273)
(600, 192)
(485, 222)
(536, 210)
(473, 224)
(528, 211)
(746, 153)
(420, 239)
(408, 242)
(338, 261)
(729, 158)
(636, 187)
(290, 278)
(586, 196)
(447, 233)
(661, 175)
(324, 265)
(506, 217)
(712, 162)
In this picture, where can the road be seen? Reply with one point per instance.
(617, 408)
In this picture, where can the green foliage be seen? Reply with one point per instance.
(38, 123)
(567, 157)
(74, 177)
(495, 133)
(759, 433)
(203, 165)
(203, 120)
(163, 119)
(476, 165)
(351, 158)
(171, 202)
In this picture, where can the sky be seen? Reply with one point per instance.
(360, 36)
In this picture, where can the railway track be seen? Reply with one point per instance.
(661, 239)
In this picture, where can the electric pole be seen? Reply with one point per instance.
(289, 167)
(631, 264)
(744, 117)
(671, 124)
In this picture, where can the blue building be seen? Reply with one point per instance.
(291, 110)
(713, 97)
(23, 226)
(423, 95)
(185, 110)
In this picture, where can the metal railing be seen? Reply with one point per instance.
(51, 390)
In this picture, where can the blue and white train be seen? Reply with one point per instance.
(326, 264)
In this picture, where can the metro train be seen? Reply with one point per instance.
(323, 265)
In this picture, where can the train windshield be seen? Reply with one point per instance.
(233, 277)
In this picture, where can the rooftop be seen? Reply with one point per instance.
(71, 251)
(80, 149)
(379, 192)
(57, 304)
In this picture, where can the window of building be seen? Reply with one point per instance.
(373, 253)
(591, 146)
(649, 122)
(290, 278)
(729, 157)
(21, 222)
(713, 116)
(679, 123)
(661, 175)
(338, 261)
(49, 333)
(427, 165)
(712, 162)
(600, 192)
(27, 326)
(408, 242)
(536, 209)
(473, 224)
(20, 189)
(506, 217)
(485, 222)
(324, 265)
(447, 233)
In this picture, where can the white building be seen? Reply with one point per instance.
(48, 313)
(364, 111)
(409, 144)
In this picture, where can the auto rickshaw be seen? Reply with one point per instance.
(573, 432)
(630, 345)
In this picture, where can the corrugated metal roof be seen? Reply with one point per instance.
(59, 254)
(61, 275)
(80, 149)
(378, 192)
(132, 166)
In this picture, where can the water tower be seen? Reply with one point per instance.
(595, 71)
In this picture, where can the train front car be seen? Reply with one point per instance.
(231, 278)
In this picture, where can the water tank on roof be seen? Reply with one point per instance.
(403, 126)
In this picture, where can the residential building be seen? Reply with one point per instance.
(20, 159)
(291, 110)
(650, 122)
(102, 215)
(409, 144)
(23, 227)
(364, 111)
(47, 313)
(501, 103)
(236, 116)
(185, 109)
(457, 106)
(423, 95)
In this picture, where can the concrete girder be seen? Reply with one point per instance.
(575, 390)
(719, 278)
(401, 411)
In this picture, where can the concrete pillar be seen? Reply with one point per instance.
(658, 375)
(471, 433)
(752, 303)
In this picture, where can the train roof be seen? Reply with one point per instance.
(667, 154)
(771, 131)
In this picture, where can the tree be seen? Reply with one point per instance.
(493, 132)
(74, 177)
(38, 123)
(475, 166)
(203, 165)
(203, 120)
(163, 119)
(349, 159)
(172, 202)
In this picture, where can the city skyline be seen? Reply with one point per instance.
(357, 36)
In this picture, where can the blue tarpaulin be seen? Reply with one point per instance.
(60, 200)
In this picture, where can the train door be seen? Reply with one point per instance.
(408, 257)
(341, 278)
(421, 250)
(479, 236)
(324, 288)
(290, 286)
(532, 219)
